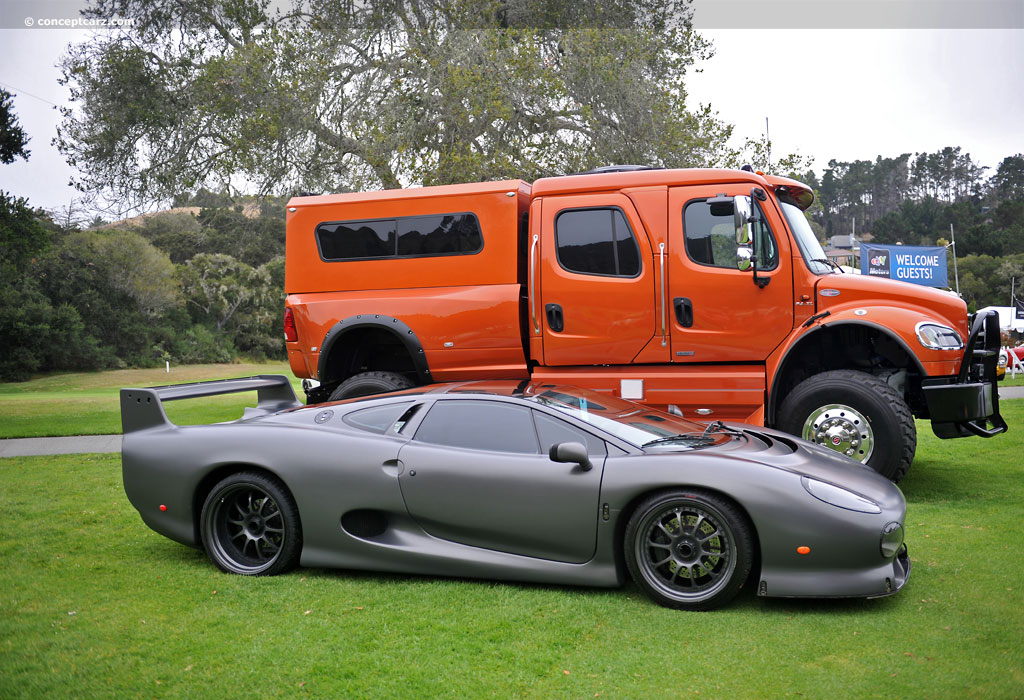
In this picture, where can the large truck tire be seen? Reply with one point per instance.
(856, 414)
(370, 383)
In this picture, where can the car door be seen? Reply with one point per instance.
(597, 282)
(475, 473)
(719, 313)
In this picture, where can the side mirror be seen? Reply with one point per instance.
(572, 453)
(744, 258)
(741, 220)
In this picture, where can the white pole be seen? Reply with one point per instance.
(955, 273)
(168, 366)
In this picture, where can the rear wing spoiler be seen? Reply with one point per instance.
(142, 409)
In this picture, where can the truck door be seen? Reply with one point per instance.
(597, 281)
(718, 313)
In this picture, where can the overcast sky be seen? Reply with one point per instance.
(826, 92)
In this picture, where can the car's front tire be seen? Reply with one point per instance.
(250, 525)
(689, 549)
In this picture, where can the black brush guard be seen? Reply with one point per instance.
(968, 404)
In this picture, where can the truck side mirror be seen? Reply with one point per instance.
(741, 219)
(744, 258)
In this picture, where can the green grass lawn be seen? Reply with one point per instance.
(94, 604)
(88, 404)
(1013, 381)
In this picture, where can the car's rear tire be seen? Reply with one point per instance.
(689, 549)
(836, 408)
(250, 525)
(369, 383)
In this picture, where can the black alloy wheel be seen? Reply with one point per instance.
(689, 550)
(250, 526)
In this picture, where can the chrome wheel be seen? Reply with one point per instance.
(855, 414)
(250, 526)
(689, 550)
(842, 429)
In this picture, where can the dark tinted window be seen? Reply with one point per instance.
(377, 419)
(407, 236)
(711, 239)
(479, 425)
(356, 239)
(451, 234)
(552, 431)
(597, 242)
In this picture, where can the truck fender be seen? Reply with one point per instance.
(395, 327)
(790, 351)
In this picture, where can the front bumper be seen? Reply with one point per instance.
(900, 574)
(968, 404)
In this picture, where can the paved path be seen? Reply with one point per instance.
(28, 447)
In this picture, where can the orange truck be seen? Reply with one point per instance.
(702, 292)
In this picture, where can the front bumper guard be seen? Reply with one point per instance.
(968, 404)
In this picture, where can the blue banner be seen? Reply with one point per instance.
(924, 265)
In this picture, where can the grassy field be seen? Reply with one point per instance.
(93, 604)
(88, 404)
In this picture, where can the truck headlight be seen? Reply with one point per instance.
(839, 497)
(937, 337)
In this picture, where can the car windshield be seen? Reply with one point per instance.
(808, 243)
(635, 423)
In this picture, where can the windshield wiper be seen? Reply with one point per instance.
(693, 438)
(719, 427)
(831, 263)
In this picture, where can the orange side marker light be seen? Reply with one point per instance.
(803, 550)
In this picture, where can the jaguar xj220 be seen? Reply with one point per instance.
(513, 481)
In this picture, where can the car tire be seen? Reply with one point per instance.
(250, 525)
(689, 550)
(835, 408)
(370, 383)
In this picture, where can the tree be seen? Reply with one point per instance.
(12, 137)
(327, 96)
(1008, 182)
(22, 236)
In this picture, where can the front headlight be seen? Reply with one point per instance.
(892, 539)
(1003, 359)
(936, 337)
(839, 497)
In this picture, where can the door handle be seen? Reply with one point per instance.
(533, 285)
(684, 311)
(555, 319)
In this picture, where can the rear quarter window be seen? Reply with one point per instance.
(401, 237)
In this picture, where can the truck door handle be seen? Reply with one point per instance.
(555, 319)
(684, 311)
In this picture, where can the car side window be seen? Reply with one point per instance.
(479, 425)
(377, 419)
(597, 242)
(711, 239)
(552, 431)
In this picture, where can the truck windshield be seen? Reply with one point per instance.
(808, 243)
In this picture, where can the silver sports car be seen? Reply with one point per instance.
(527, 482)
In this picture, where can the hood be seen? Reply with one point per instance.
(861, 289)
(778, 450)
